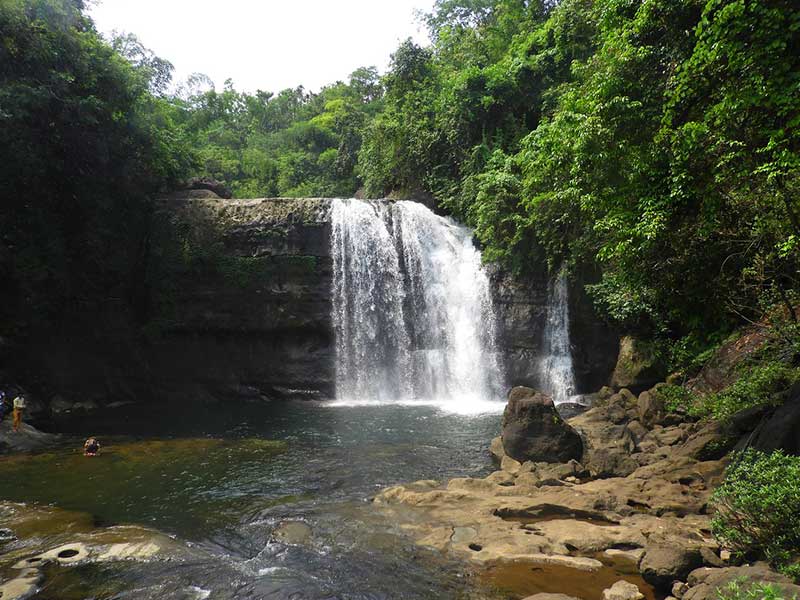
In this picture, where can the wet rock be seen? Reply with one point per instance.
(533, 430)
(664, 563)
(281, 251)
(23, 585)
(551, 597)
(27, 439)
(622, 590)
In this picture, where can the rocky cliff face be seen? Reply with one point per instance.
(522, 311)
(258, 322)
(241, 309)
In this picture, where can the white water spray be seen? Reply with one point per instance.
(556, 371)
(412, 309)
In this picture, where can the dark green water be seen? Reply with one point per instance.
(224, 480)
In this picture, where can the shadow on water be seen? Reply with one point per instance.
(225, 480)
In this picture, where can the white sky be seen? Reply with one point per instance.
(267, 44)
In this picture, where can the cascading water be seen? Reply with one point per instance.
(412, 310)
(557, 375)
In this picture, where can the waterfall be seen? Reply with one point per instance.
(558, 377)
(412, 309)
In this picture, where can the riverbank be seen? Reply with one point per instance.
(638, 499)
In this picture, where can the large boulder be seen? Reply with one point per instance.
(663, 563)
(27, 439)
(638, 365)
(534, 431)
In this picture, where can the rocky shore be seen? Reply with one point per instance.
(34, 539)
(637, 496)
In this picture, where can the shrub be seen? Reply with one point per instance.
(742, 590)
(759, 385)
(757, 508)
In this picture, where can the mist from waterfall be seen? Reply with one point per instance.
(556, 371)
(412, 309)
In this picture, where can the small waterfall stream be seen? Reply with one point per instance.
(412, 309)
(557, 374)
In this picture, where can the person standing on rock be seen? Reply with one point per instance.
(19, 408)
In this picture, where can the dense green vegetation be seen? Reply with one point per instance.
(654, 142)
(657, 138)
(290, 144)
(86, 139)
(763, 378)
(746, 590)
(757, 508)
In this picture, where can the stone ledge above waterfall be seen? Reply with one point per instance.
(260, 226)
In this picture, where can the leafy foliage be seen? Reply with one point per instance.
(762, 385)
(654, 142)
(757, 507)
(763, 378)
(290, 144)
(84, 144)
(658, 139)
(744, 590)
